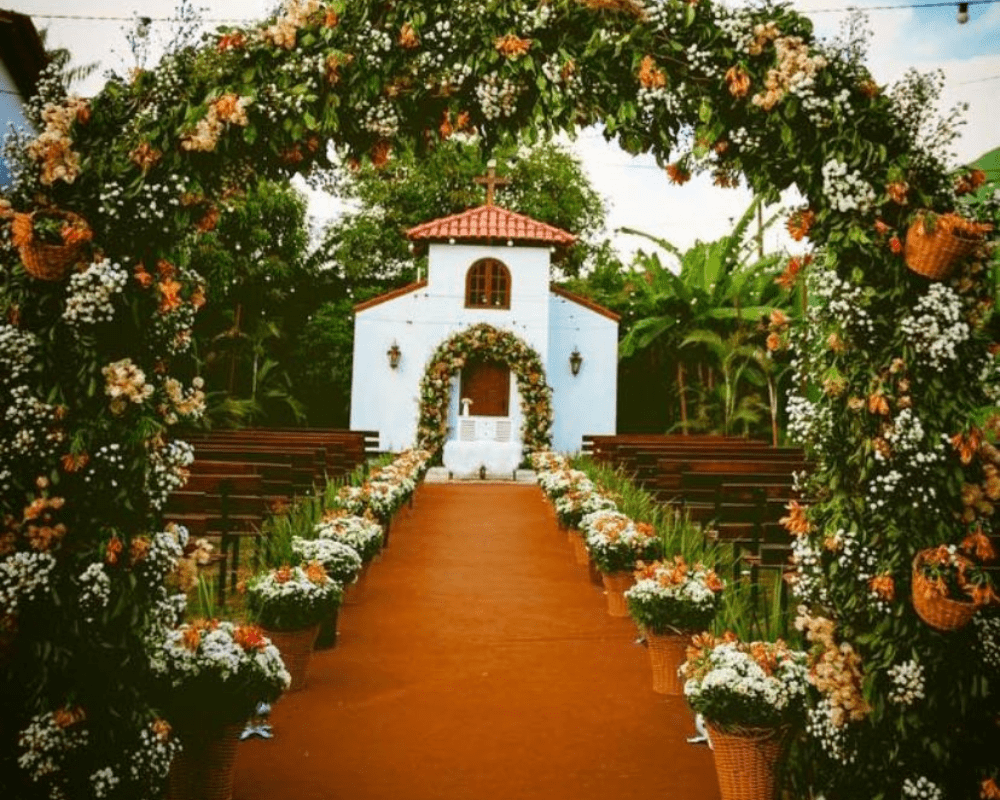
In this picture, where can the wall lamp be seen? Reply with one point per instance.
(394, 353)
(963, 13)
(575, 361)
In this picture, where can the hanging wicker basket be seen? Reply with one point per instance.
(204, 769)
(667, 652)
(296, 648)
(746, 761)
(615, 585)
(939, 612)
(933, 248)
(50, 262)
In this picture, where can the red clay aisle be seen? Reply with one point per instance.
(481, 665)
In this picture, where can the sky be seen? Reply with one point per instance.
(637, 192)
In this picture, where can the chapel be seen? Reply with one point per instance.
(486, 265)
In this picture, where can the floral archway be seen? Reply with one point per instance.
(485, 342)
(896, 378)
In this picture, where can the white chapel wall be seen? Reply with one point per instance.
(585, 403)
(387, 400)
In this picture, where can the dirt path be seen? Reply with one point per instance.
(481, 665)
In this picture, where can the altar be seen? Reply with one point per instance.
(483, 442)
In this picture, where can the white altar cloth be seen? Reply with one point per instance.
(467, 458)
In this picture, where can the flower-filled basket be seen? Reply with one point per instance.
(50, 242)
(950, 583)
(362, 534)
(616, 545)
(289, 604)
(342, 564)
(671, 601)
(210, 677)
(936, 242)
(751, 694)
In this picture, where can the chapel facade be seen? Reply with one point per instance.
(485, 265)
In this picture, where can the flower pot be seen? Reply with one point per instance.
(939, 612)
(933, 253)
(666, 653)
(296, 648)
(615, 584)
(326, 639)
(355, 592)
(595, 573)
(746, 761)
(580, 550)
(49, 262)
(204, 769)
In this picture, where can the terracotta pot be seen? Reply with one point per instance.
(296, 648)
(666, 653)
(615, 584)
(204, 769)
(746, 762)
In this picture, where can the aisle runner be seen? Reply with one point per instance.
(481, 665)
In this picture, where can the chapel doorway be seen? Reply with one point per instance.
(487, 385)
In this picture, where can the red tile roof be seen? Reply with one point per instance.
(488, 223)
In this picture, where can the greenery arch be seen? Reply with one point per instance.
(897, 373)
(490, 343)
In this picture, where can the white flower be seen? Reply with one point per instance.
(908, 683)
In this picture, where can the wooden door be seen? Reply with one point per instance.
(487, 384)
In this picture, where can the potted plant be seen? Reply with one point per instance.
(49, 241)
(950, 583)
(211, 674)
(617, 544)
(670, 601)
(342, 564)
(289, 603)
(751, 694)
(363, 534)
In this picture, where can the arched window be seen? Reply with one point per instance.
(487, 285)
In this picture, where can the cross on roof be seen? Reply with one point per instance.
(491, 180)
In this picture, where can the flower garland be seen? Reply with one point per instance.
(488, 343)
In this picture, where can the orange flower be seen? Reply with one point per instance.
(799, 223)
(191, 638)
(739, 81)
(779, 319)
(113, 549)
(445, 129)
(978, 544)
(408, 37)
(982, 594)
(796, 522)
(74, 463)
(161, 729)
(877, 404)
(283, 574)
(209, 221)
(988, 790)
(649, 76)
(198, 297)
(895, 245)
(249, 637)
(380, 153)
(774, 342)
(678, 174)
(66, 717)
(881, 228)
(230, 41)
(138, 549)
(897, 192)
(967, 446)
(165, 269)
(713, 582)
(968, 183)
(169, 295)
(883, 586)
(512, 46)
(145, 156)
(316, 573)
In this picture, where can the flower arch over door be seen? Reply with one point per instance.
(896, 369)
(486, 343)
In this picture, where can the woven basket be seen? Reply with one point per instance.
(49, 262)
(595, 574)
(327, 636)
(580, 550)
(934, 254)
(296, 648)
(615, 584)
(666, 653)
(746, 762)
(939, 612)
(204, 769)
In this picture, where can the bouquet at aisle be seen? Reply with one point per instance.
(616, 543)
(292, 598)
(745, 685)
(213, 673)
(341, 561)
(673, 596)
(362, 534)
